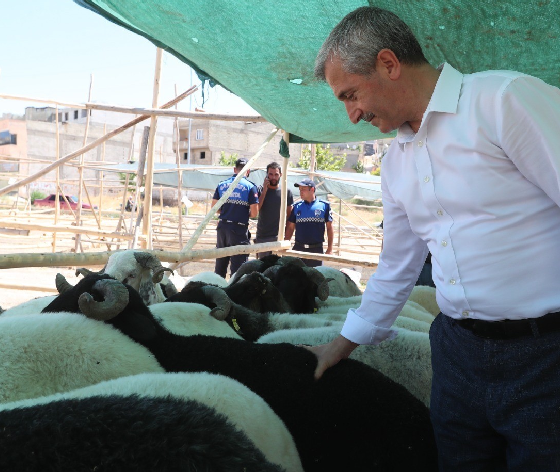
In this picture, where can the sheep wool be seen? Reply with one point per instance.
(56, 352)
(245, 412)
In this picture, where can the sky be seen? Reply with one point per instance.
(51, 48)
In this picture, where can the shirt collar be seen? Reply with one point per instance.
(445, 99)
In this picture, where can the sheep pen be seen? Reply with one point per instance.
(419, 322)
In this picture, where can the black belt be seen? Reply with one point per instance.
(309, 246)
(235, 222)
(510, 329)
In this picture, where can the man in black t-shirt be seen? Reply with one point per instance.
(269, 207)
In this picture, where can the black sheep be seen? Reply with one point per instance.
(353, 418)
(123, 433)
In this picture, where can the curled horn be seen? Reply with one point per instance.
(246, 268)
(116, 299)
(217, 296)
(149, 261)
(62, 285)
(318, 279)
(284, 260)
(85, 272)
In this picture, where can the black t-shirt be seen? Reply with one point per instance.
(269, 214)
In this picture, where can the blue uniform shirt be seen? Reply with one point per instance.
(310, 219)
(237, 205)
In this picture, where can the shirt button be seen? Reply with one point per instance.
(440, 213)
(426, 179)
(465, 314)
(452, 281)
(420, 143)
(444, 243)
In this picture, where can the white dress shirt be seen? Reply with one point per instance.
(479, 186)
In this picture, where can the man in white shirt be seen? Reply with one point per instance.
(473, 176)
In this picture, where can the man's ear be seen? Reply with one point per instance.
(388, 62)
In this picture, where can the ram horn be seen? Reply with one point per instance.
(62, 285)
(116, 299)
(270, 273)
(217, 296)
(318, 279)
(170, 289)
(85, 272)
(246, 268)
(285, 260)
(149, 261)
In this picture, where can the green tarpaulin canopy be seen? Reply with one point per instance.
(197, 177)
(264, 51)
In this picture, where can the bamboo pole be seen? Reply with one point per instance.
(330, 258)
(57, 203)
(180, 178)
(147, 223)
(101, 175)
(192, 241)
(81, 172)
(91, 145)
(284, 192)
(64, 229)
(11, 261)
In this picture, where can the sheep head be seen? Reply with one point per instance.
(318, 279)
(149, 261)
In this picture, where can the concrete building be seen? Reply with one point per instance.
(208, 139)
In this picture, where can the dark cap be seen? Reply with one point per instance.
(305, 183)
(241, 162)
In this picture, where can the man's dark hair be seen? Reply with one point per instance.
(273, 165)
(359, 37)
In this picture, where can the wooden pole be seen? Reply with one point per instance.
(101, 175)
(339, 224)
(179, 178)
(91, 145)
(81, 173)
(192, 241)
(57, 203)
(147, 224)
(312, 160)
(139, 178)
(284, 192)
(10, 261)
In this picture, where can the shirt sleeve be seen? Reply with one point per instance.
(388, 288)
(328, 212)
(216, 193)
(292, 218)
(253, 195)
(528, 121)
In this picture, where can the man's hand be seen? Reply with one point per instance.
(330, 354)
(266, 183)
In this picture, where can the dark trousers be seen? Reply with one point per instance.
(495, 404)
(260, 255)
(315, 250)
(231, 234)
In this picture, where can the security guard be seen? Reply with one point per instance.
(309, 218)
(234, 217)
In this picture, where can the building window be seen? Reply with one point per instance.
(7, 138)
(199, 134)
(203, 154)
(66, 116)
(84, 113)
(76, 114)
(186, 156)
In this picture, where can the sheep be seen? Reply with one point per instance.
(406, 359)
(32, 306)
(426, 297)
(42, 355)
(209, 278)
(195, 421)
(353, 418)
(340, 285)
(141, 270)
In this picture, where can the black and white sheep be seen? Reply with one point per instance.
(148, 422)
(340, 283)
(353, 418)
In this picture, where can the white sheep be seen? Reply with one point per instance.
(342, 284)
(56, 352)
(29, 307)
(245, 410)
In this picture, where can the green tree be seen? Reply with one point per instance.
(324, 159)
(228, 161)
(359, 167)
